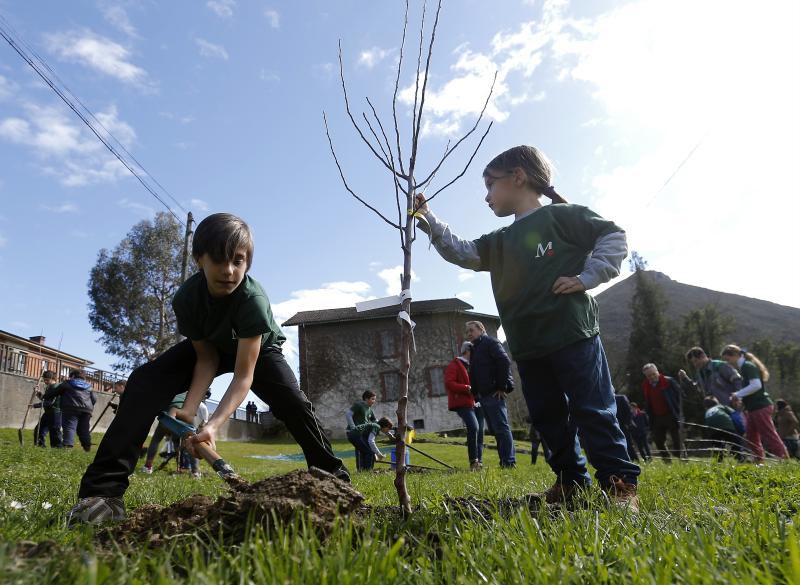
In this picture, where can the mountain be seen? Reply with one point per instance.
(755, 319)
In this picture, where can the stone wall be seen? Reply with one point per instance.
(339, 361)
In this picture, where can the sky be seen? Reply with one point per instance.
(679, 120)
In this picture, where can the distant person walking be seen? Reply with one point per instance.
(788, 428)
(77, 405)
(640, 431)
(714, 377)
(625, 419)
(461, 401)
(50, 422)
(758, 405)
(491, 379)
(662, 396)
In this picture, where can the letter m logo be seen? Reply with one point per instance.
(542, 250)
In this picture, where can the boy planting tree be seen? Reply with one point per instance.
(227, 319)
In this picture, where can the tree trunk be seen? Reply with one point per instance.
(406, 338)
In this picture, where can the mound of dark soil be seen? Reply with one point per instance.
(316, 494)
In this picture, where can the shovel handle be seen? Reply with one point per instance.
(216, 462)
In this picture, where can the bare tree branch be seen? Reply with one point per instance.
(414, 135)
(462, 139)
(397, 186)
(396, 88)
(378, 140)
(350, 114)
(424, 86)
(346, 186)
(469, 162)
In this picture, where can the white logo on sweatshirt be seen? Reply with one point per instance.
(544, 250)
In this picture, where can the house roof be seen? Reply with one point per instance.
(350, 313)
(37, 347)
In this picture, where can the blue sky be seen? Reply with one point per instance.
(222, 102)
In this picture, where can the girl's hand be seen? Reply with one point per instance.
(566, 285)
(420, 204)
(182, 414)
(207, 435)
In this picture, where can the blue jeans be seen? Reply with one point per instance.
(569, 392)
(74, 421)
(496, 414)
(474, 432)
(365, 458)
(50, 423)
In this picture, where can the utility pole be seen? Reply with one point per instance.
(187, 244)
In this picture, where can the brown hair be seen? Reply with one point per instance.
(737, 351)
(695, 352)
(477, 324)
(532, 162)
(220, 235)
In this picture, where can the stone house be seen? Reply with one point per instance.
(344, 352)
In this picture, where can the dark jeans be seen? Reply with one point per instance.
(150, 390)
(792, 446)
(629, 442)
(152, 450)
(50, 424)
(568, 392)
(643, 445)
(365, 458)
(496, 414)
(536, 440)
(723, 440)
(474, 432)
(661, 425)
(76, 422)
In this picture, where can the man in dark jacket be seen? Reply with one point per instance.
(491, 379)
(664, 405)
(77, 404)
(50, 422)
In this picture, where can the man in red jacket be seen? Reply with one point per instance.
(461, 401)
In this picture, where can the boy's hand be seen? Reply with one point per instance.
(420, 204)
(207, 435)
(183, 415)
(565, 285)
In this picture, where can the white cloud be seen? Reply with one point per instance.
(99, 53)
(391, 276)
(208, 49)
(222, 8)
(66, 207)
(373, 56)
(269, 76)
(199, 205)
(324, 70)
(464, 295)
(7, 87)
(679, 77)
(332, 295)
(137, 208)
(273, 17)
(465, 275)
(118, 18)
(72, 152)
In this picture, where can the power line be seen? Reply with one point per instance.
(679, 167)
(5, 32)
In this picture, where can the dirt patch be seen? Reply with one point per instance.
(317, 494)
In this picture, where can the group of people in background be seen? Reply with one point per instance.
(251, 411)
(67, 409)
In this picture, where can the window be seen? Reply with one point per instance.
(391, 386)
(388, 343)
(419, 424)
(436, 381)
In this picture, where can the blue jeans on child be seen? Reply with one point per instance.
(76, 422)
(569, 392)
(474, 432)
(496, 413)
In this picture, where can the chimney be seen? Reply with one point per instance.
(37, 339)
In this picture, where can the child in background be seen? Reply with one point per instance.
(722, 430)
(541, 267)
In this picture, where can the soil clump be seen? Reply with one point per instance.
(314, 493)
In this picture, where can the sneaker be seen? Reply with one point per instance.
(97, 510)
(475, 465)
(197, 474)
(148, 469)
(622, 495)
(342, 474)
(560, 493)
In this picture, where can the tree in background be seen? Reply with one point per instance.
(649, 335)
(131, 289)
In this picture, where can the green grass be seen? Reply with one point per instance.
(700, 523)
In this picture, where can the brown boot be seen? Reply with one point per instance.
(559, 493)
(623, 495)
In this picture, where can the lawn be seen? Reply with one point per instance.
(700, 522)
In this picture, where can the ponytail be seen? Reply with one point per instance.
(550, 192)
(532, 161)
(739, 352)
